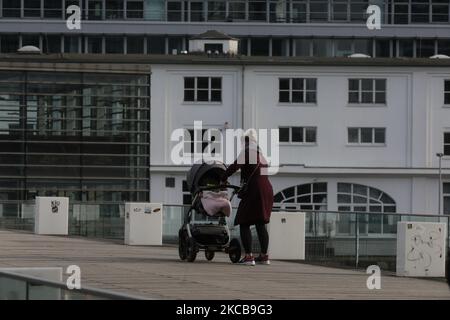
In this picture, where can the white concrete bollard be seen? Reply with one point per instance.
(421, 249)
(51, 216)
(287, 236)
(143, 223)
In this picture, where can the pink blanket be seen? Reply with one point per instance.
(215, 202)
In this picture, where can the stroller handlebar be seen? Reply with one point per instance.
(221, 186)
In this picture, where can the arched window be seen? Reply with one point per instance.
(357, 197)
(309, 196)
(360, 198)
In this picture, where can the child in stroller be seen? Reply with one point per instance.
(205, 226)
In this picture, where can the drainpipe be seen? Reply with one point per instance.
(242, 94)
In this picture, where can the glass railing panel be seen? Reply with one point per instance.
(42, 292)
(12, 289)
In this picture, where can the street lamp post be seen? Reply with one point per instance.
(440, 155)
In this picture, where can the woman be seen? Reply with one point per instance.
(256, 203)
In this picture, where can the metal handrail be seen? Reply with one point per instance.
(101, 293)
(342, 212)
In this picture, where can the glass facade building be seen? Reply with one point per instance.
(81, 135)
(324, 28)
(271, 11)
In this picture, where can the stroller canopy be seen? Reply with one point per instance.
(204, 173)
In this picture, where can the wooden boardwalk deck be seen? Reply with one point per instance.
(157, 272)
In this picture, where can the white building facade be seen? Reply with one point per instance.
(355, 134)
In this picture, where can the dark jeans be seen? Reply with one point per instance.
(246, 237)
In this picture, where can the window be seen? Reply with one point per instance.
(11, 8)
(257, 10)
(298, 134)
(343, 47)
(53, 9)
(277, 11)
(203, 89)
(9, 43)
(31, 40)
(52, 43)
(366, 136)
(318, 10)
(446, 191)
(439, 11)
(236, 10)
(32, 8)
(243, 46)
(156, 45)
(135, 44)
(420, 11)
(170, 182)
(340, 10)
(425, 48)
(447, 92)
(114, 9)
(383, 48)
(367, 91)
(71, 44)
(175, 44)
(401, 13)
(197, 11)
(322, 47)
(364, 46)
(114, 44)
(310, 196)
(95, 10)
(174, 12)
(95, 45)
(406, 48)
(447, 143)
(259, 47)
(135, 9)
(358, 10)
(302, 47)
(359, 198)
(297, 90)
(216, 10)
(279, 47)
(444, 46)
(298, 12)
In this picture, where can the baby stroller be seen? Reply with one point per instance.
(205, 226)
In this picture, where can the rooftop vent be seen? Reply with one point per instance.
(29, 50)
(359, 55)
(440, 56)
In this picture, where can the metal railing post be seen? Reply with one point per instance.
(357, 241)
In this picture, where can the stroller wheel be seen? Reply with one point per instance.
(191, 250)
(182, 245)
(209, 255)
(234, 251)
